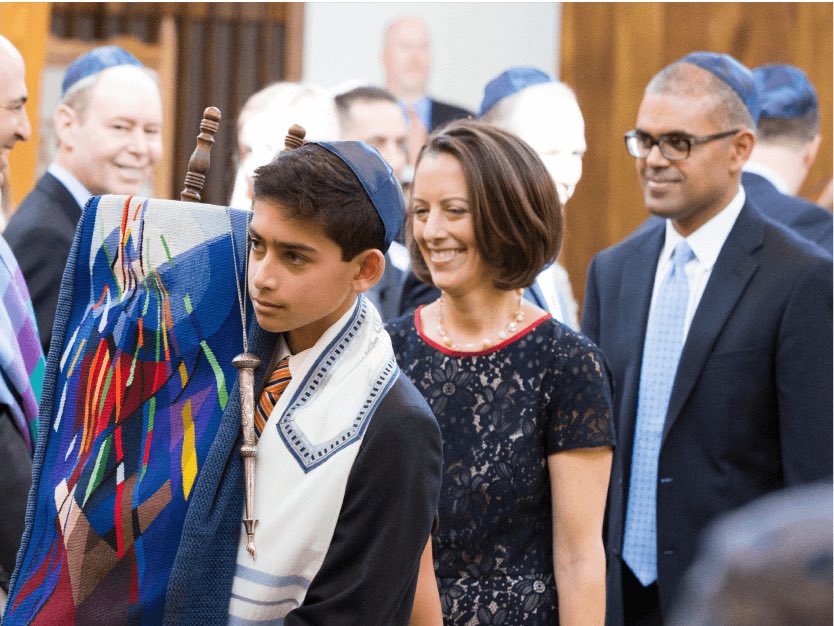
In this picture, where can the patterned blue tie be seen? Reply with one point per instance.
(661, 353)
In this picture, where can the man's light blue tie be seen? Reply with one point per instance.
(661, 353)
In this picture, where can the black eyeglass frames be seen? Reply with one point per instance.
(673, 146)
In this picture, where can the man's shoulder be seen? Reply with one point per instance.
(404, 398)
(43, 208)
(782, 207)
(442, 112)
(785, 247)
(448, 106)
(47, 189)
(648, 233)
(404, 413)
(770, 199)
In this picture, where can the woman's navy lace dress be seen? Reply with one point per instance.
(502, 412)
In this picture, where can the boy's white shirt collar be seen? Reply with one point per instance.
(300, 362)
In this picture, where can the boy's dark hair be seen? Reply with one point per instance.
(513, 200)
(311, 183)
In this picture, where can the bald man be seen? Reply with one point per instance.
(109, 129)
(544, 113)
(14, 124)
(406, 59)
(21, 360)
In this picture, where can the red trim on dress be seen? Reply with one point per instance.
(448, 351)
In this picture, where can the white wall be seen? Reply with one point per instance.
(472, 42)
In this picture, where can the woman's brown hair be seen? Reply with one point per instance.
(515, 207)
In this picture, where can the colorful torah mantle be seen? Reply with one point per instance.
(135, 389)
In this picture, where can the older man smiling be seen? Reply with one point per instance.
(108, 124)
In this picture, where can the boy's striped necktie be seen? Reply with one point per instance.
(278, 381)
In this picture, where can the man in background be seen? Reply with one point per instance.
(406, 59)
(372, 115)
(543, 112)
(263, 123)
(14, 123)
(109, 130)
(788, 139)
(21, 359)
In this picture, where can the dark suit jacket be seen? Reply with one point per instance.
(442, 112)
(750, 410)
(40, 234)
(15, 480)
(806, 218)
(385, 295)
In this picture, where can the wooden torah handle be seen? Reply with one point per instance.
(198, 164)
(295, 137)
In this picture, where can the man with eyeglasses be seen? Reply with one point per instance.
(716, 323)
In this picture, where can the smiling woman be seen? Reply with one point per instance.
(522, 400)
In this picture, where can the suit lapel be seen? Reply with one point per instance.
(732, 271)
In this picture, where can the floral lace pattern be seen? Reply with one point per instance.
(502, 412)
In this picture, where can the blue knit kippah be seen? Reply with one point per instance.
(96, 61)
(509, 82)
(377, 179)
(729, 70)
(784, 91)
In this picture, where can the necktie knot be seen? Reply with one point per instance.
(274, 388)
(682, 255)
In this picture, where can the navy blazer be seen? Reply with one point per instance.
(40, 234)
(806, 218)
(750, 410)
(442, 112)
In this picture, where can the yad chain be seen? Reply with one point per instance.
(240, 292)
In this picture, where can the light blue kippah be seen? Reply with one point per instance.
(96, 61)
(732, 72)
(377, 179)
(784, 91)
(509, 82)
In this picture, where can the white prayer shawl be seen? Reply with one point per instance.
(305, 455)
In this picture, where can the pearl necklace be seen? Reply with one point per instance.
(486, 342)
